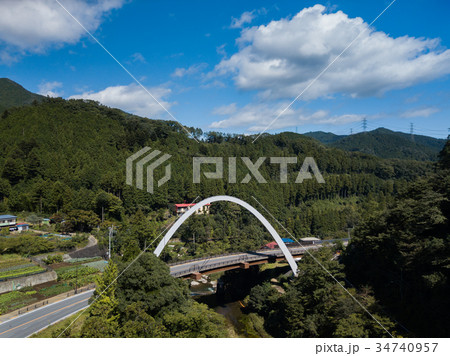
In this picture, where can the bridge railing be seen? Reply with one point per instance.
(198, 268)
(249, 256)
(241, 259)
(266, 251)
(203, 258)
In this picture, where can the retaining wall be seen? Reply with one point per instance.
(27, 281)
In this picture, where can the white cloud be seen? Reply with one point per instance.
(34, 25)
(193, 69)
(131, 98)
(221, 50)
(48, 89)
(246, 17)
(280, 59)
(225, 109)
(256, 117)
(138, 57)
(425, 112)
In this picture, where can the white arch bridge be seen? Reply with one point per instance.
(214, 263)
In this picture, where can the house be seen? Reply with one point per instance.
(22, 227)
(182, 208)
(270, 245)
(310, 240)
(7, 221)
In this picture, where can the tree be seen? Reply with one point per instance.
(148, 281)
(5, 189)
(195, 320)
(137, 323)
(141, 229)
(103, 313)
(13, 170)
(80, 220)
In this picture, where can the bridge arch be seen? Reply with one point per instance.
(240, 202)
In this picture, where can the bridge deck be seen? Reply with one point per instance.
(235, 260)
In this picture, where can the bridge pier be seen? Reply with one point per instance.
(196, 276)
(244, 265)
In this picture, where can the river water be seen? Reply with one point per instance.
(231, 310)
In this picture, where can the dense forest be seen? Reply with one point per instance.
(404, 253)
(66, 158)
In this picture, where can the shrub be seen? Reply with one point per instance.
(53, 259)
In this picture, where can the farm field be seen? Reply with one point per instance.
(75, 272)
(13, 266)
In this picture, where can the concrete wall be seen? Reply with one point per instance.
(21, 282)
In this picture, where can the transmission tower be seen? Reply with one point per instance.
(411, 130)
(364, 123)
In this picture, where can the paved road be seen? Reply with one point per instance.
(29, 323)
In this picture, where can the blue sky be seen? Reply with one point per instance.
(234, 67)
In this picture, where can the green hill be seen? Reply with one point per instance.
(385, 143)
(324, 137)
(13, 94)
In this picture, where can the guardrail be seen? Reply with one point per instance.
(45, 302)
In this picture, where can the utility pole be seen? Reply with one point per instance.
(76, 279)
(193, 236)
(364, 123)
(111, 230)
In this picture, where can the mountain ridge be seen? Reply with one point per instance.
(13, 94)
(384, 143)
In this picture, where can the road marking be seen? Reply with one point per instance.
(70, 305)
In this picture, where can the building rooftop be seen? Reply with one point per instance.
(8, 216)
(310, 239)
(186, 205)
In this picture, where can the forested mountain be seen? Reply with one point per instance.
(385, 143)
(13, 94)
(63, 155)
(324, 137)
